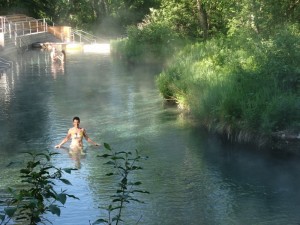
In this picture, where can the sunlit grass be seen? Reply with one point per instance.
(241, 88)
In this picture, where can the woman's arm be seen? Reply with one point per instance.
(64, 140)
(88, 139)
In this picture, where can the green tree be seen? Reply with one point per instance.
(86, 14)
(263, 16)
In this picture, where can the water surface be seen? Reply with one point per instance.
(194, 178)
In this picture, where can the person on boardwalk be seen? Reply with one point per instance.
(77, 134)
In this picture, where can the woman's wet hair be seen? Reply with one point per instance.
(76, 118)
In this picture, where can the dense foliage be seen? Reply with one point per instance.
(105, 16)
(242, 86)
(240, 75)
(154, 43)
(37, 197)
(200, 20)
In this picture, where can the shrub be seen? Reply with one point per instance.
(124, 163)
(151, 44)
(242, 83)
(38, 197)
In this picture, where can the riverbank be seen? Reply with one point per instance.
(246, 90)
(287, 141)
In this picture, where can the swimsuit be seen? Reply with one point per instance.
(76, 139)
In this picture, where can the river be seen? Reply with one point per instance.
(193, 177)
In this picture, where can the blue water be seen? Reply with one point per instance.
(193, 177)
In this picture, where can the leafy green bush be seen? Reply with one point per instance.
(38, 197)
(124, 163)
(237, 84)
(282, 113)
(151, 44)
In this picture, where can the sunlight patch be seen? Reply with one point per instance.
(97, 48)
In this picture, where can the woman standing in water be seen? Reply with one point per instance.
(76, 133)
(55, 55)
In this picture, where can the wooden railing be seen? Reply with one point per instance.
(17, 17)
(18, 25)
(82, 36)
(29, 27)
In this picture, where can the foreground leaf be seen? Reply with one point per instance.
(10, 211)
(54, 209)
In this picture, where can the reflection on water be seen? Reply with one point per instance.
(193, 177)
(57, 69)
(77, 155)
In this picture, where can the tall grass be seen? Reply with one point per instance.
(243, 86)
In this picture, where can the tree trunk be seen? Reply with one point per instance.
(202, 18)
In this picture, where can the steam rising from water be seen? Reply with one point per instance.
(97, 48)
